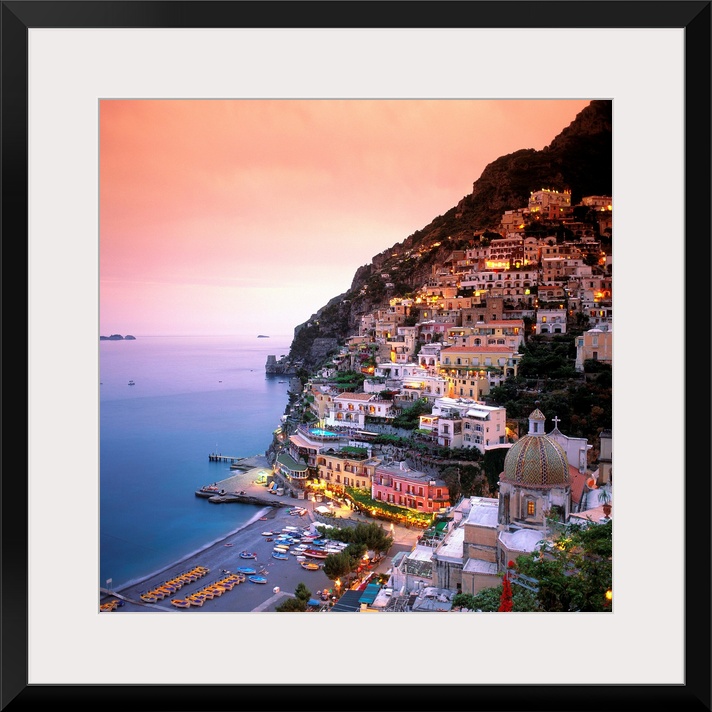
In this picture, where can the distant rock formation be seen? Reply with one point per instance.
(117, 337)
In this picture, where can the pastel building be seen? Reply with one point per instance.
(504, 332)
(462, 422)
(458, 362)
(429, 356)
(351, 409)
(349, 467)
(595, 345)
(551, 321)
(401, 486)
(550, 204)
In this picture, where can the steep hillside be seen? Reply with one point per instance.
(578, 159)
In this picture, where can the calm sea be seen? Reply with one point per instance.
(193, 395)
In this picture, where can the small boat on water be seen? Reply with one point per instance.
(309, 565)
(268, 533)
(181, 602)
(258, 579)
(280, 555)
(211, 489)
(247, 570)
(132, 383)
(248, 555)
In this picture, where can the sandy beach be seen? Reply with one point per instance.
(224, 556)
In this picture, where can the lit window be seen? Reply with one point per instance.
(530, 507)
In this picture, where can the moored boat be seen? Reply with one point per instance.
(181, 602)
(280, 555)
(248, 555)
(309, 565)
(248, 570)
(258, 579)
(315, 553)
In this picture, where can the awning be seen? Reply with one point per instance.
(369, 595)
(290, 463)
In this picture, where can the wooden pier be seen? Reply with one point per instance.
(219, 457)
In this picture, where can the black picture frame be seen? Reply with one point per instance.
(20, 16)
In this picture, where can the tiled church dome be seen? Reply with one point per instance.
(536, 460)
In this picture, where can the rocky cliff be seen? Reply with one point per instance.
(578, 159)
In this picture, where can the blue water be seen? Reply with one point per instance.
(192, 396)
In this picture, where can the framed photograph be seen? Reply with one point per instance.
(61, 60)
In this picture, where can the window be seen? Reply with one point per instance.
(530, 507)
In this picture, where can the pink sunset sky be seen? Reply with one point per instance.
(247, 216)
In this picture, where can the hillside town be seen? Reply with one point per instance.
(404, 421)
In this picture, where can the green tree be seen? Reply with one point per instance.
(302, 592)
(488, 600)
(291, 605)
(493, 465)
(369, 534)
(409, 419)
(575, 571)
(464, 600)
(337, 565)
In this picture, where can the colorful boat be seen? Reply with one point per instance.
(258, 579)
(309, 565)
(248, 555)
(247, 570)
(280, 555)
(315, 553)
(181, 602)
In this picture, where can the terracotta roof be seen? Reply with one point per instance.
(578, 482)
(355, 396)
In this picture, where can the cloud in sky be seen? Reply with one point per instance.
(245, 216)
